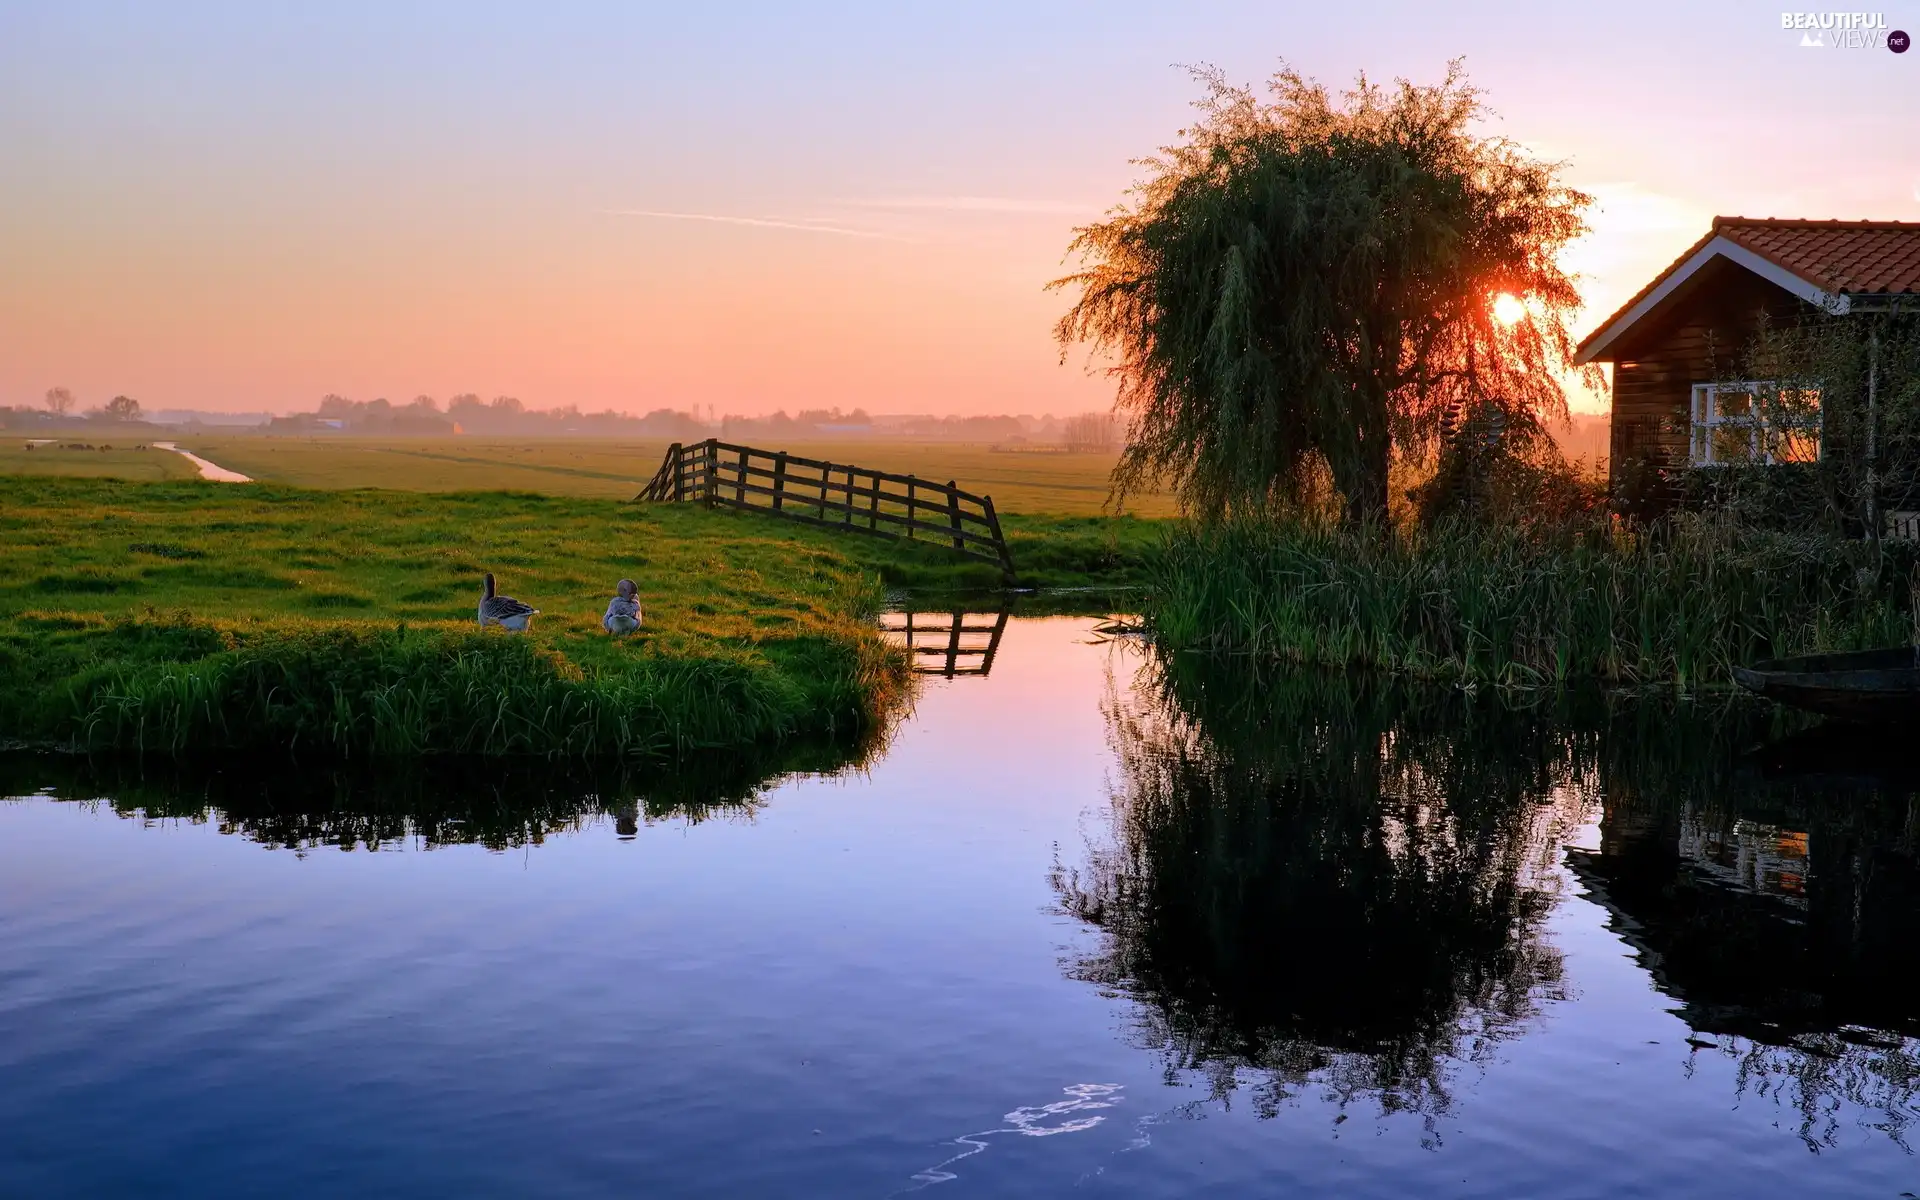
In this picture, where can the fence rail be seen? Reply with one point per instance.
(831, 495)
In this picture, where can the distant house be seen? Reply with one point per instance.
(1674, 345)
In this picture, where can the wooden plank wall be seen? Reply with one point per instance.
(1702, 339)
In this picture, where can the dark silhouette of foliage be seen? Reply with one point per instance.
(1303, 290)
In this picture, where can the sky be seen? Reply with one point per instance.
(758, 207)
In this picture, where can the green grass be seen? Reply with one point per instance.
(1678, 605)
(119, 461)
(196, 615)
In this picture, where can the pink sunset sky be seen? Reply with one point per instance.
(246, 206)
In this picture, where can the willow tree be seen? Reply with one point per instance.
(1304, 288)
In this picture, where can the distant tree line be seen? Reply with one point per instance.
(468, 413)
(58, 406)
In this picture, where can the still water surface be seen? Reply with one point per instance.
(1089, 925)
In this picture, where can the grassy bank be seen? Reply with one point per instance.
(201, 616)
(1678, 605)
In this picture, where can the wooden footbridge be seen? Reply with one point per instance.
(833, 496)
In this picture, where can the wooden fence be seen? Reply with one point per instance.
(831, 495)
(947, 644)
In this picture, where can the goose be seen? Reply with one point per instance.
(623, 611)
(503, 611)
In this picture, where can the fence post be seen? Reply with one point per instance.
(953, 643)
(712, 456)
(873, 501)
(826, 476)
(910, 479)
(779, 480)
(953, 514)
(999, 539)
(846, 518)
(679, 473)
(740, 484)
(656, 488)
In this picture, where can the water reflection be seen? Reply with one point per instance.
(1335, 885)
(1781, 912)
(1307, 883)
(945, 643)
(499, 804)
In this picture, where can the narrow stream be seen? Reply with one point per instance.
(1090, 924)
(208, 470)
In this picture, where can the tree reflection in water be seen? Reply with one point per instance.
(1331, 884)
(1305, 880)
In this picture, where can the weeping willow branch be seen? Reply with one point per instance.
(1302, 290)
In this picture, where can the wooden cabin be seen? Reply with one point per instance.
(1678, 341)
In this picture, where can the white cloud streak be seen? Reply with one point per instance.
(757, 222)
(980, 204)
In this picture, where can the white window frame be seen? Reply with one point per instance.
(1706, 420)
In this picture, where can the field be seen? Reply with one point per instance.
(121, 461)
(198, 615)
(1050, 484)
(330, 604)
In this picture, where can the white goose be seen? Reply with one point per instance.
(503, 611)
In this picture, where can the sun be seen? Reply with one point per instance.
(1507, 309)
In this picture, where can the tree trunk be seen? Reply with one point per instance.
(1361, 475)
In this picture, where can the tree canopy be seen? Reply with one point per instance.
(1305, 287)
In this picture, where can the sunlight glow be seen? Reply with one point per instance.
(1507, 309)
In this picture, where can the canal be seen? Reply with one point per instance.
(1087, 922)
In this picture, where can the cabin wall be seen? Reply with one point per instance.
(1702, 337)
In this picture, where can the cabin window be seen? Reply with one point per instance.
(1757, 423)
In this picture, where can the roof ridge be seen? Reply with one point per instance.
(1813, 223)
(1818, 260)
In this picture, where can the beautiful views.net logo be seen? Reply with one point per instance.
(1845, 31)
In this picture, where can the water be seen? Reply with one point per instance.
(1088, 925)
(208, 470)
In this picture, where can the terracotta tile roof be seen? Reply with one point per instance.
(1836, 256)
(1855, 257)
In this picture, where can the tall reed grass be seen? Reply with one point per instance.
(1680, 603)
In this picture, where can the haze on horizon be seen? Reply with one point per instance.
(753, 207)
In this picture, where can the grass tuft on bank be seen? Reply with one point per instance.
(1677, 604)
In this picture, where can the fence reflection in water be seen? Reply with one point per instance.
(947, 644)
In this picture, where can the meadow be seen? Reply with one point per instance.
(194, 616)
(117, 460)
(1069, 484)
(185, 616)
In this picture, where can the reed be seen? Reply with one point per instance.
(1676, 604)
